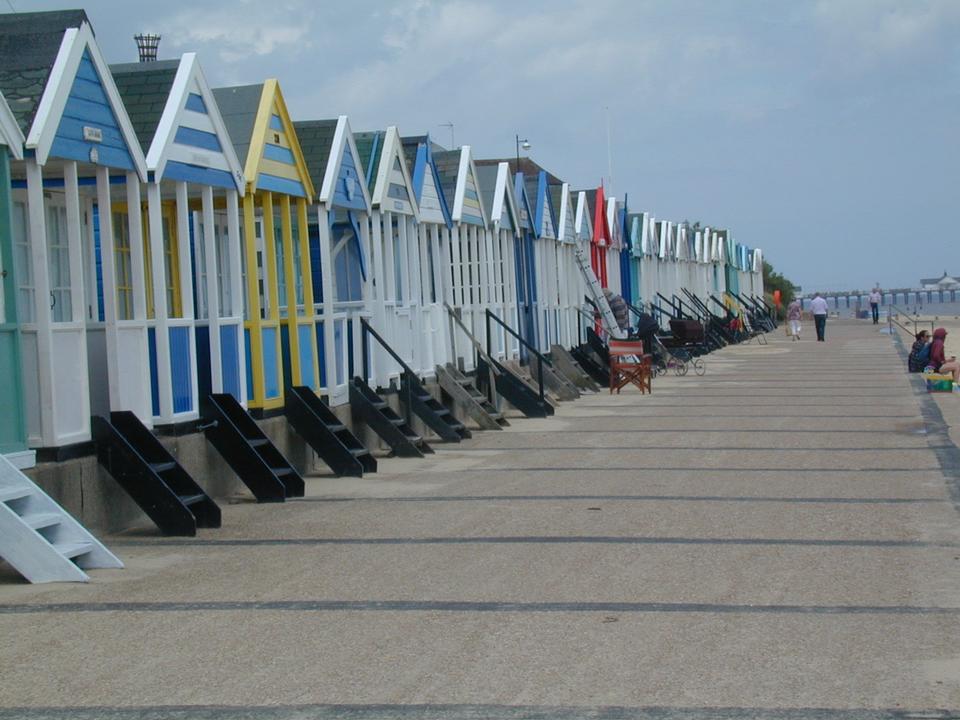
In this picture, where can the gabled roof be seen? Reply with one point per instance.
(184, 132)
(566, 212)
(392, 187)
(581, 220)
(458, 176)
(239, 106)
(370, 146)
(944, 279)
(432, 205)
(331, 156)
(316, 142)
(145, 89)
(447, 163)
(264, 138)
(29, 45)
(50, 64)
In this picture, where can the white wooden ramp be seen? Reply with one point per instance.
(39, 538)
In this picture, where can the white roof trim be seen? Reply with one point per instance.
(57, 90)
(10, 134)
(565, 210)
(342, 138)
(460, 194)
(393, 147)
(504, 191)
(163, 139)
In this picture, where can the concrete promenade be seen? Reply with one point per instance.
(778, 539)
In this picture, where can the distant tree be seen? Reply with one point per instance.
(772, 280)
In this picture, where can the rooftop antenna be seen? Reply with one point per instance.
(453, 143)
(147, 44)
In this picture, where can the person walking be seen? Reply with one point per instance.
(818, 306)
(794, 314)
(875, 298)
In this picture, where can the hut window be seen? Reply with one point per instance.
(58, 259)
(124, 268)
(281, 269)
(297, 260)
(223, 264)
(23, 264)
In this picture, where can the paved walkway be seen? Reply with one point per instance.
(779, 536)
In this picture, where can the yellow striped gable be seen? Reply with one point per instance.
(275, 161)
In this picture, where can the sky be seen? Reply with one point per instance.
(823, 131)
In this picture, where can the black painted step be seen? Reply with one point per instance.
(251, 454)
(516, 392)
(333, 441)
(370, 408)
(147, 471)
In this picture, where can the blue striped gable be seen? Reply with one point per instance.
(274, 183)
(198, 139)
(279, 154)
(471, 212)
(89, 107)
(348, 192)
(186, 172)
(196, 104)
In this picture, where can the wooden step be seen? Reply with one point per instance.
(42, 519)
(189, 500)
(14, 492)
(72, 549)
(162, 467)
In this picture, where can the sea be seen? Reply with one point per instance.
(911, 303)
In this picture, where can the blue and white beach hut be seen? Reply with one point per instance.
(340, 250)
(192, 237)
(79, 262)
(496, 190)
(434, 234)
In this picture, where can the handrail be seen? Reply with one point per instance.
(916, 321)
(675, 311)
(491, 363)
(707, 313)
(540, 358)
(366, 329)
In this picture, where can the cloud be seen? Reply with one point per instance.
(239, 30)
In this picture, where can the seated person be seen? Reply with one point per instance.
(940, 363)
(920, 353)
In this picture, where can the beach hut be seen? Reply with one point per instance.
(434, 237)
(546, 298)
(496, 190)
(191, 237)
(601, 238)
(78, 258)
(13, 424)
(279, 313)
(339, 250)
(396, 261)
(570, 287)
(471, 254)
(614, 246)
(525, 264)
(583, 224)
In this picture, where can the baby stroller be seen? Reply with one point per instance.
(678, 359)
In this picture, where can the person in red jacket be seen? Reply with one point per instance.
(938, 361)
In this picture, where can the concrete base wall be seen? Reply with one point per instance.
(93, 497)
